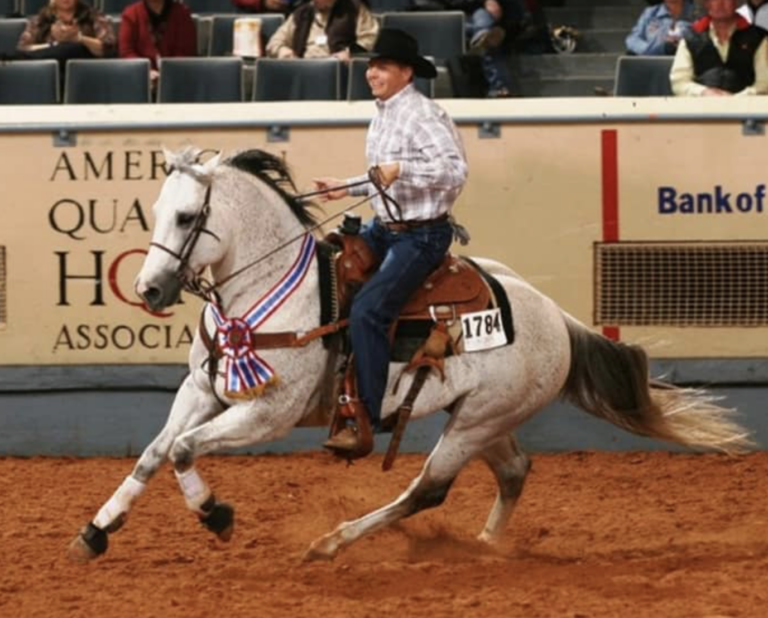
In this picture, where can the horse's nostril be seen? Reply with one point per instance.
(151, 295)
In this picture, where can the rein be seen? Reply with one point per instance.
(205, 290)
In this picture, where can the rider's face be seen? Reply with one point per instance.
(387, 77)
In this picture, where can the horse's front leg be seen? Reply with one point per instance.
(191, 407)
(243, 424)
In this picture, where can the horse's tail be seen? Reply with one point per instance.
(610, 380)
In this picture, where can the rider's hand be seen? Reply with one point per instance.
(328, 183)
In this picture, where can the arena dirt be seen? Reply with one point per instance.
(595, 535)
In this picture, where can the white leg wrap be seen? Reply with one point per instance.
(194, 488)
(120, 502)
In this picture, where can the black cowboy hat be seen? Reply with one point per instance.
(393, 44)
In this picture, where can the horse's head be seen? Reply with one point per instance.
(183, 243)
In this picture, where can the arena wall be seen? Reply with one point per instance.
(643, 218)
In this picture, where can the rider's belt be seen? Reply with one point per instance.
(404, 226)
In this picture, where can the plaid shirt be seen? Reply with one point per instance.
(415, 132)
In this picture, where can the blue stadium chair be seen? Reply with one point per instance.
(440, 34)
(107, 80)
(643, 76)
(32, 7)
(211, 6)
(358, 89)
(10, 31)
(389, 6)
(200, 80)
(221, 40)
(114, 7)
(8, 8)
(297, 79)
(29, 82)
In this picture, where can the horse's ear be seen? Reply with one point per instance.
(211, 164)
(168, 156)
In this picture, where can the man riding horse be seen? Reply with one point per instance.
(416, 153)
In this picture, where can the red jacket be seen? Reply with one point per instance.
(137, 40)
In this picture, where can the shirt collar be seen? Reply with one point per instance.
(397, 100)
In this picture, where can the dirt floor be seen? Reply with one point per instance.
(595, 534)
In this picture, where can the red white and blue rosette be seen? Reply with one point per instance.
(246, 373)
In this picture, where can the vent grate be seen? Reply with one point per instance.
(681, 284)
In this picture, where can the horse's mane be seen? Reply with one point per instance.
(274, 171)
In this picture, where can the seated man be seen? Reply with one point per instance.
(660, 27)
(721, 55)
(323, 28)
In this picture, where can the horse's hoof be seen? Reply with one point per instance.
(220, 521)
(321, 549)
(90, 543)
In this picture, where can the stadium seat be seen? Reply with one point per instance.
(643, 76)
(440, 34)
(114, 7)
(7, 8)
(358, 89)
(222, 31)
(107, 80)
(210, 6)
(32, 7)
(389, 6)
(10, 31)
(200, 80)
(29, 82)
(297, 80)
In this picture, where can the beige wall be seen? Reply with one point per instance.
(534, 201)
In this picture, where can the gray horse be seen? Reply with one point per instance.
(227, 216)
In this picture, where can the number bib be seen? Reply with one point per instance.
(482, 330)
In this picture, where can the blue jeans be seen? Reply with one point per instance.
(494, 62)
(407, 259)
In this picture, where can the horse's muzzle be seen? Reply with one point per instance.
(158, 296)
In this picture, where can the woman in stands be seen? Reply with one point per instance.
(156, 29)
(67, 29)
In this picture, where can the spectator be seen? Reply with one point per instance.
(157, 29)
(323, 28)
(755, 12)
(660, 27)
(263, 6)
(722, 54)
(67, 29)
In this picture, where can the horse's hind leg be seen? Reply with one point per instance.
(510, 466)
(455, 448)
(190, 408)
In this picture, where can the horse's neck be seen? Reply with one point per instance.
(253, 275)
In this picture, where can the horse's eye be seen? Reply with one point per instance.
(184, 219)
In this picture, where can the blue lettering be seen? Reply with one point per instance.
(667, 203)
(723, 200)
(744, 202)
(759, 196)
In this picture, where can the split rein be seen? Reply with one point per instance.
(206, 290)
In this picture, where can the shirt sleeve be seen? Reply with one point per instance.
(681, 76)
(442, 164)
(30, 35)
(760, 85)
(127, 36)
(282, 37)
(188, 37)
(636, 41)
(103, 30)
(367, 28)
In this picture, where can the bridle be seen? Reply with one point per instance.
(206, 290)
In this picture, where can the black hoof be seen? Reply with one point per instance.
(95, 538)
(220, 521)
